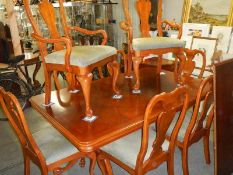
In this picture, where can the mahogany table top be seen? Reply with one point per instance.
(116, 118)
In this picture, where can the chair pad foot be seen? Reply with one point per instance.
(47, 105)
(74, 91)
(129, 77)
(89, 118)
(117, 97)
(136, 91)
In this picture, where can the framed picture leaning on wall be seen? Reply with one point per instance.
(206, 44)
(214, 12)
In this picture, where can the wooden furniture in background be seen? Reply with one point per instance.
(190, 64)
(77, 60)
(197, 123)
(138, 48)
(48, 149)
(31, 59)
(223, 120)
(146, 149)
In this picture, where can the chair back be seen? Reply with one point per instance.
(14, 113)
(143, 8)
(187, 69)
(167, 104)
(203, 112)
(47, 12)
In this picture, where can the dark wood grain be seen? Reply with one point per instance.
(223, 89)
(115, 117)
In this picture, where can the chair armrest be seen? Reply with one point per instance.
(91, 32)
(57, 40)
(175, 26)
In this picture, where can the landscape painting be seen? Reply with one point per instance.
(214, 12)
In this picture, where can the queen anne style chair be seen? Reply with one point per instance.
(146, 45)
(186, 71)
(197, 124)
(47, 148)
(145, 149)
(78, 61)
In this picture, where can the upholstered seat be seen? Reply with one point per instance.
(125, 148)
(53, 145)
(156, 43)
(82, 56)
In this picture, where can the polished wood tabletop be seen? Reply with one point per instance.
(116, 118)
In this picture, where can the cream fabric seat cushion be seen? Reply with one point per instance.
(127, 148)
(82, 56)
(53, 145)
(156, 43)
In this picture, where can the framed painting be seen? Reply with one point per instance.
(207, 45)
(214, 12)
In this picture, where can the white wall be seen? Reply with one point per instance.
(173, 10)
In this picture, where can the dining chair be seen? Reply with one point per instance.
(47, 148)
(197, 123)
(78, 61)
(140, 48)
(190, 65)
(145, 149)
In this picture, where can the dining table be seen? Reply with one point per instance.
(115, 117)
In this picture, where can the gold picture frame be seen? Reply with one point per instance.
(187, 8)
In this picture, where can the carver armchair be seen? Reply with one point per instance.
(77, 61)
(141, 47)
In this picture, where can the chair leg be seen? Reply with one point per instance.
(108, 167)
(206, 147)
(71, 80)
(185, 161)
(92, 157)
(170, 163)
(101, 166)
(136, 62)
(159, 65)
(56, 81)
(48, 89)
(85, 81)
(114, 66)
(26, 165)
